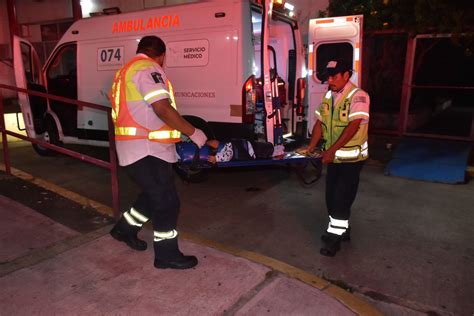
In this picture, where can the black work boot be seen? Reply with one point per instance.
(344, 237)
(167, 255)
(122, 231)
(331, 245)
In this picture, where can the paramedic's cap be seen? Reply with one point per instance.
(152, 43)
(337, 66)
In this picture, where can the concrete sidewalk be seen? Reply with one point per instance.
(48, 268)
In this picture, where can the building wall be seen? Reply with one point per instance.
(4, 25)
(306, 10)
(31, 11)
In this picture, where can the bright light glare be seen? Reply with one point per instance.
(289, 6)
(86, 7)
(304, 72)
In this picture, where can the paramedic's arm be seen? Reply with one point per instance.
(347, 134)
(315, 136)
(171, 117)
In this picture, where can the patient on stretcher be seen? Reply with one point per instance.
(219, 151)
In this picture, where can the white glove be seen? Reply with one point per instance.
(198, 137)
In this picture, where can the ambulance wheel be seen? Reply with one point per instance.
(51, 135)
(189, 174)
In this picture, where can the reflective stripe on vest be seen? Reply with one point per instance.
(141, 134)
(126, 127)
(352, 154)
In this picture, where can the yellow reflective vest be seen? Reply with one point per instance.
(334, 120)
(126, 127)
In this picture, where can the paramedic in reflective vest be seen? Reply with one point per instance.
(342, 123)
(147, 126)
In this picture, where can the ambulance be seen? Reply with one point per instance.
(236, 65)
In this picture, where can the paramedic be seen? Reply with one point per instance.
(147, 126)
(342, 123)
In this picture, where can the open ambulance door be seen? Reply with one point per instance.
(329, 38)
(265, 72)
(28, 75)
(272, 108)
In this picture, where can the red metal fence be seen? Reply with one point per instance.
(110, 165)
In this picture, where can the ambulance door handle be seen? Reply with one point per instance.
(271, 115)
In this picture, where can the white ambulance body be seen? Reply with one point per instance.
(213, 60)
(329, 38)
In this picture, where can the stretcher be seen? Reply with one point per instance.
(287, 158)
(190, 169)
(189, 154)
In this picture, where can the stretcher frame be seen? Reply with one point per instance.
(287, 157)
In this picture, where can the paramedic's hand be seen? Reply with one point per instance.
(198, 137)
(328, 156)
(305, 151)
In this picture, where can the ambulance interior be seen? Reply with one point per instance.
(61, 79)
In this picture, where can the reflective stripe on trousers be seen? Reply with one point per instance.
(135, 218)
(159, 236)
(337, 226)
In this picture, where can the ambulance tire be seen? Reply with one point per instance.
(51, 135)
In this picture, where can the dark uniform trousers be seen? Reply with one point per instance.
(342, 182)
(158, 200)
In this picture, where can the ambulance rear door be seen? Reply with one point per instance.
(329, 38)
(28, 76)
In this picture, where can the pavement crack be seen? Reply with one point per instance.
(270, 276)
(39, 255)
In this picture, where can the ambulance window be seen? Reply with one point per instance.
(26, 55)
(327, 52)
(61, 73)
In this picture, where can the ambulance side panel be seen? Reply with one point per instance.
(209, 56)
